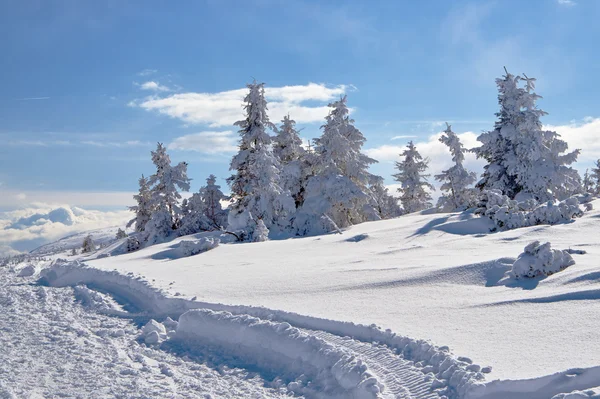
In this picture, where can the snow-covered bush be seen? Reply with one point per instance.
(88, 244)
(133, 244)
(120, 234)
(512, 214)
(261, 232)
(541, 260)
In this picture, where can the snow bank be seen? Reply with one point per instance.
(541, 260)
(188, 248)
(456, 375)
(27, 271)
(281, 345)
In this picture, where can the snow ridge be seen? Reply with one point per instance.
(282, 344)
(455, 377)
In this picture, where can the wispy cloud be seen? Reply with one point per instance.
(147, 72)
(400, 137)
(122, 144)
(33, 98)
(153, 86)
(568, 3)
(224, 108)
(206, 142)
(94, 143)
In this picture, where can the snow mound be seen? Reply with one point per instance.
(27, 271)
(341, 375)
(189, 248)
(541, 260)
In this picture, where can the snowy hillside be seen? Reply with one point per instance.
(439, 277)
(101, 237)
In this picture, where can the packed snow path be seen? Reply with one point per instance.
(53, 346)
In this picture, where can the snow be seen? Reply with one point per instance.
(437, 276)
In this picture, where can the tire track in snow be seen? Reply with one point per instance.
(401, 378)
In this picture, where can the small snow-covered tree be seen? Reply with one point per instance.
(522, 157)
(165, 184)
(587, 185)
(159, 227)
(212, 196)
(143, 209)
(386, 205)
(595, 177)
(456, 180)
(88, 244)
(414, 195)
(256, 189)
(261, 233)
(339, 188)
(288, 149)
(120, 234)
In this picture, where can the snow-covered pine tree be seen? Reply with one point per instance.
(261, 233)
(456, 180)
(339, 188)
(523, 158)
(288, 149)
(165, 184)
(386, 205)
(120, 234)
(88, 244)
(587, 185)
(595, 176)
(143, 209)
(256, 190)
(212, 196)
(414, 195)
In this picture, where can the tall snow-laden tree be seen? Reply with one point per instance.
(256, 188)
(88, 244)
(339, 189)
(587, 184)
(414, 195)
(595, 176)
(165, 184)
(288, 149)
(522, 157)
(455, 180)
(143, 209)
(212, 196)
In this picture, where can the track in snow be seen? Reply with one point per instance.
(401, 378)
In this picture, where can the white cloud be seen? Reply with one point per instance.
(28, 228)
(584, 135)
(403, 137)
(225, 108)
(14, 199)
(153, 86)
(206, 142)
(568, 3)
(130, 143)
(147, 72)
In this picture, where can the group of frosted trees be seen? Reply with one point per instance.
(279, 187)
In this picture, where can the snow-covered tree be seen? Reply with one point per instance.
(522, 157)
(143, 209)
(339, 189)
(256, 189)
(587, 184)
(120, 234)
(455, 180)
(386, 205)
(165, 184)
(288, 149)
(595, 176)
(88, 244)
(260, 233)
(414, 186)
(212, 196)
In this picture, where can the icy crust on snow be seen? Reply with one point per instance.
(457, 376)
(281, 345)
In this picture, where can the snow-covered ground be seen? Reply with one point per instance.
(439, 277)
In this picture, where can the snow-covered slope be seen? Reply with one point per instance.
(101, 237)
(436, 276)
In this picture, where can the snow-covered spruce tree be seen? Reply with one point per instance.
(261, 233)
(587, 184)
(88, 244)
(339, 188)
(287, 147)
(143, 209)
(456, 180)
(193, 218)
(523, 158)
(595, 176)
(212, 196)
(256, 189)
(165, 184)
(386, 205)
(120, 234)
(414, 195)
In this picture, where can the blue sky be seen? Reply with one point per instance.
(89, 87)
